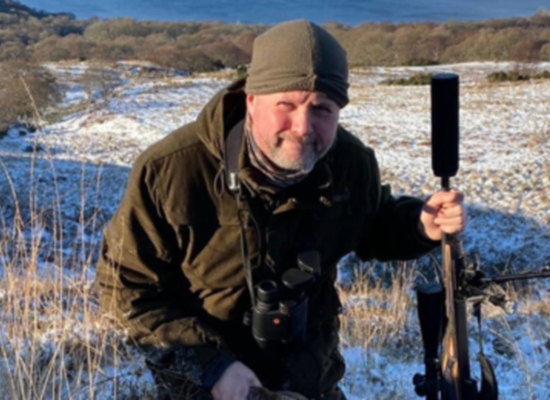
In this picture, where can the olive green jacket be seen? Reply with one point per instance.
(171, 267)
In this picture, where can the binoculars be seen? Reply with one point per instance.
(279, 316)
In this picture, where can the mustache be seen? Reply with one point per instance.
(309, 139)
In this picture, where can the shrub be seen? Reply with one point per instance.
(505, 76)
(24, 87)
(544, 52)
(527, 50)
(102, 31)
(420, 62)
(99, 83)
(516, 76)
(226, 53)
(371, 48)
(112, 51)
(13, 51)
(418, 79)
(190, 60)
(542, 75)
(245, 41)
(408, 43)
(50, 50)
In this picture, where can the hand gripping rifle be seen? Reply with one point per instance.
(442, 310)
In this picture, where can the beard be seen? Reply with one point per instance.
(279, 152)
(295, 153)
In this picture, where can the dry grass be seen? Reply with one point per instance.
(375, 312)
(54, 341)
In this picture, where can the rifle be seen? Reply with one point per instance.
(442, 309)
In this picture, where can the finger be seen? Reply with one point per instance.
(440, 199)
(452, 230)
(449, 221)
(454, 211)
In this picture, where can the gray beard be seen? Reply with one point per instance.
(276, 175)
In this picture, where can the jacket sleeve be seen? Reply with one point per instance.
(141, 283)
(392, 231)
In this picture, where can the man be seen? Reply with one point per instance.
(194, 235)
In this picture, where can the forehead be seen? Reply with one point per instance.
(298, 96)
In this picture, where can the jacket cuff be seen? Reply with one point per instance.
(216, 369)
(422, 240)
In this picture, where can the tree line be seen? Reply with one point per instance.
(204, 46)
(29, 38)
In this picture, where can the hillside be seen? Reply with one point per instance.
(60, 186)
(210, 46)
(18, 9)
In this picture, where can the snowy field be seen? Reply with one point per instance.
(59, 187)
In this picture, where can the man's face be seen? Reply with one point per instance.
(293, 129)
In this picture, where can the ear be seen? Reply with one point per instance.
(250, 101)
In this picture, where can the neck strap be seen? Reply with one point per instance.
(233, 146)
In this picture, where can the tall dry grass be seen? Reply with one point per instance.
(54, 341)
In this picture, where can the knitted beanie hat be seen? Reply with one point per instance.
(298, 55)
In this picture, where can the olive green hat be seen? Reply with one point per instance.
(298, 55)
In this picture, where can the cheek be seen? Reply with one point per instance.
(278, 121)
(326, 129)
(270, 122)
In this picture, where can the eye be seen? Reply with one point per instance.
(285, 105)
(322, 109)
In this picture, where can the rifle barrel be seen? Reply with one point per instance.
(517, 277)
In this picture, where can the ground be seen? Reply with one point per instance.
(60, 186)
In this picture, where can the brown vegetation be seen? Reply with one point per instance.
(414, 80)
(204, 46)
(515, 76)
(25, 89)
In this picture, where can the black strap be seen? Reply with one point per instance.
(233, 145)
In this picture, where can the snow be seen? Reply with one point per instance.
(76, 181)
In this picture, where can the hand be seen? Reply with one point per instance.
(443, 212)
(235, 383)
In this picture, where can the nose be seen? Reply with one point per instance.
(302, 122)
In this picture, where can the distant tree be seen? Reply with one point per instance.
(50, 49)
(544, 53)
(99, 83)
(245, 40)
(528, 50)
(25, 89)
(226, 53)
(112, 51)
(189, 60)
(13, 51)
(408, 44)
(371, 48)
